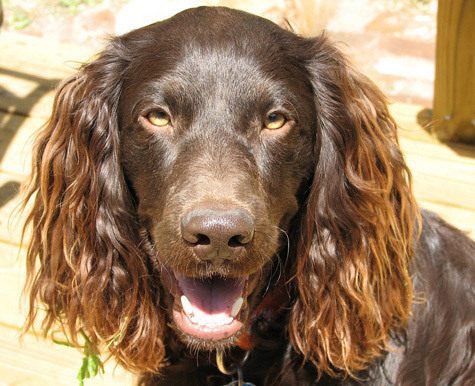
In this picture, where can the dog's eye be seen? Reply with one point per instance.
(274, 121)
(158, 118)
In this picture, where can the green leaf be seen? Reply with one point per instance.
(67, 344)
(93, 363)
(119, 334)
(83, 371)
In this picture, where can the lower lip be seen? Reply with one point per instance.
(209, 333)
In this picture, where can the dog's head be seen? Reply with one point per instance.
(199, 158)
(216, 139)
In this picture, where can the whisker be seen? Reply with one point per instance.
(276, 273)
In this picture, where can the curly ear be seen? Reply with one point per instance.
(357, 232)
(83, 261)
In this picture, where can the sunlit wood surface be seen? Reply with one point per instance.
(454, 85)
(444, 181)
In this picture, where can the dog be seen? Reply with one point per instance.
(217, 195)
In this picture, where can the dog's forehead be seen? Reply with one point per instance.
(219, 70)
(216, 24)
(209, 39)
(209, 71)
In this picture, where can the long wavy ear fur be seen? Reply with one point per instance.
(357, 232)
(83, 265)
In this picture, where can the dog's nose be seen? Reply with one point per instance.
(217, 234)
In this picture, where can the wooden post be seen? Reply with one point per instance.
(454, 88)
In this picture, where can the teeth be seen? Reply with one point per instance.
(236, 306)
(186, 304)
(188, 309)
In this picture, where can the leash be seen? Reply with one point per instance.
(234, 369)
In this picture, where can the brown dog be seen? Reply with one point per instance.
(214, 182)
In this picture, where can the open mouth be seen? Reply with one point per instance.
(212, 309)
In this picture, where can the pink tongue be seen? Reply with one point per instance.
(214, 295)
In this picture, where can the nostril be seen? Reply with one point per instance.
(193, 239)
(202, 240)
(241, 240)
(235, 241)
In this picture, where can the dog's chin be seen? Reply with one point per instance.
(209, 313)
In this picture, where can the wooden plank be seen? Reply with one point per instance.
(16, 140)
(11, 220)
(41, 58)
(12, 277)
(443, 173)
(449, 189)
(24, 94)
(35, 361)
(464, 219)
(39, 362)
(26, 85)
(454, 87)
(406, 117)
(452, 200)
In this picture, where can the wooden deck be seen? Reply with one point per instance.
(444, 178)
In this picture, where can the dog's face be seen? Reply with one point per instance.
(216, 142)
